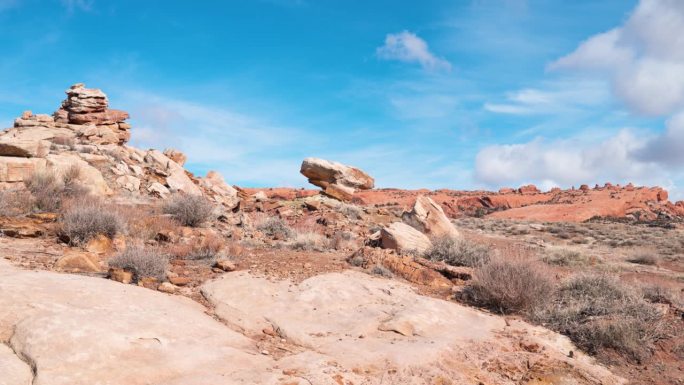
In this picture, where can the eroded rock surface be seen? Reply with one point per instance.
(384, 329)
(429, 218)
(403, 238)
(337, 180)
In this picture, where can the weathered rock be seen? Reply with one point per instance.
(158, 189)
(403, 238)
(78, 262)
(403, 266)
(368, 323)
(89, 176)
(222, 192)
(336, 179)
(225, 265)
(102, 327)
(429, 218)
(176, 156)
(13, 370)
(167, 287)
(128, 182)
(529, 189)
(120, 275)
(100, 244)
(14, 169)
(27, 148)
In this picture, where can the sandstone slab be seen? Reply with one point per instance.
(429, 218)
(403, 238)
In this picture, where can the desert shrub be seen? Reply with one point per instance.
(457, 252)
(655, 293)
(350, 211)
(310, 241)
(598, 312)
(189, 210)
(509, 286)
(564, 257)
(146, 225)
(144, 262)
(209, 248)
(84, 219)
(50, 190)
(381, 271)
(15, 202)
(643, 257)
(275, 227)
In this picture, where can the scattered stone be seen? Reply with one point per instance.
(404, 239)
(176, 156)
(120, 275)
(179, 281)
(78, 262)
(225, 265)
(429, 218)
(167, 287)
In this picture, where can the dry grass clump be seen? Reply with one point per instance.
(15, 202)
(565, 257)
(510, 285)
(50, 190)
(598, 312)
(458, 252)
(84, 219)
(655, 293)
(147, 225)
(275, 227)
(643, 257)
(209, 248)
(310, 241)
(188, 210)
(381, 271)
(350, 211)
(142, 261)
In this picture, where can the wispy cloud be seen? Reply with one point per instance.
(564, 96)
(408, 47)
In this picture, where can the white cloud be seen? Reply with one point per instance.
(553, 98)
(644, 57)
(408, 47)
(243, 148)
(568, 162)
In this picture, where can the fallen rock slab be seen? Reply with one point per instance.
(403, 239)
(429, 218)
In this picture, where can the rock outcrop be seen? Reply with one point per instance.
(403, 239)
(385, 331)
(336, 180)
(85, 133)
(429, 218)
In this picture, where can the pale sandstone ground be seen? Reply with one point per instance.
(78, 330)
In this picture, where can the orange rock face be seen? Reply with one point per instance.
(523, 204)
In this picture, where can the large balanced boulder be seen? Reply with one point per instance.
(337, 180)
(429, 218)
(404, 239)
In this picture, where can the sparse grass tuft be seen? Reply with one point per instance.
(350, 211)
(15, 202)
(84, 219)
(50, 190)
(598, 312)
(144, 262)
(565, 257)
(509, 286)
(275, 227)
(189, 210)
(643, 257)
(310, 241)
(458, 252)
(381, 271)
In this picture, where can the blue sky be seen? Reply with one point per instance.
(435, 94)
